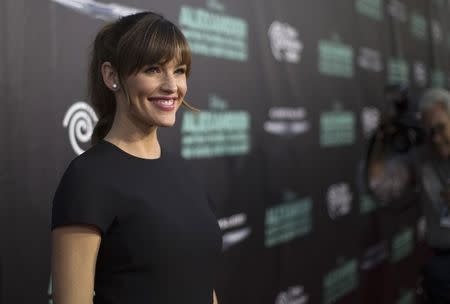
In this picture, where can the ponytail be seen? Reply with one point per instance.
(101, 97)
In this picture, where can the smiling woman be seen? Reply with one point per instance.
(129, 220)
(124, 54)
(154, 94)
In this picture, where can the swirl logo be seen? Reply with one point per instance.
(370, 117)
(397, 10)
(294, 295)
(420, 73)
(285, 44)
(421, 228)
(99, 10)
(370, 59)
(339, 198)
(80, 120)
(436, 30)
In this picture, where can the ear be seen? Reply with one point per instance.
(110, 76)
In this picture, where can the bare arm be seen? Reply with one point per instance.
(215, 297)
(74, 255)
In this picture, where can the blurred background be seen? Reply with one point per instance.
(292, 94)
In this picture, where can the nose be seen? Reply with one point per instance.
(436, 138)
(169, 84)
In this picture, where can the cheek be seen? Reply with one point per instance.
(446, 140)
(145, 87)
(182, 86)
(446, 128)
(141, 86)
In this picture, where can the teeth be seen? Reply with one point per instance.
(166, 102)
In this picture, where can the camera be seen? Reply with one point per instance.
(400, 129)
(391, 171)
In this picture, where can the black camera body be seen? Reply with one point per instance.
(391, 167)
(401, 128)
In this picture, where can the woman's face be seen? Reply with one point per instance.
(156, 92)
(437, 121)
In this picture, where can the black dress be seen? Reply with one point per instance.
(160, 240)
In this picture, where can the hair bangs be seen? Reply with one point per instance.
(162, 42)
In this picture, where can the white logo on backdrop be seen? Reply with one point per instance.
(294, 295)
(437, 31)
(339, 199)
(374, 256)
(397, 10)
(98, 10)
(215, 5)
(80, 120)
(370, 117)
(236, 236)
(287, 121)
(284, 42)
(420, 73)
(421, 227)
(370, 59)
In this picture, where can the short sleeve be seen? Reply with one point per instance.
(82, 198)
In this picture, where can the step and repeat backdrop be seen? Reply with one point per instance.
(290, 93)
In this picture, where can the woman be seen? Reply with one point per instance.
(128, 219)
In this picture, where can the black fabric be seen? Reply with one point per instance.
(160, 239)
(440, 251)
(436, 278)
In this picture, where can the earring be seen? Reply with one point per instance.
(115, 86)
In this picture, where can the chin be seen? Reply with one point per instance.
(166, 124)
(443, 153)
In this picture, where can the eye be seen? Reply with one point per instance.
(152, 69)
(181, 70)
(440, 127)
(437, 129)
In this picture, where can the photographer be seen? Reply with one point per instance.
(392, 175)
(435, 175)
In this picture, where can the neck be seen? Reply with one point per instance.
(137, 140)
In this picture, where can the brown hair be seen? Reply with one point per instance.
(129, 44)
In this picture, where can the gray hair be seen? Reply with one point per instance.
(434, 96)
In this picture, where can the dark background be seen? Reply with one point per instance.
(43, 58)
